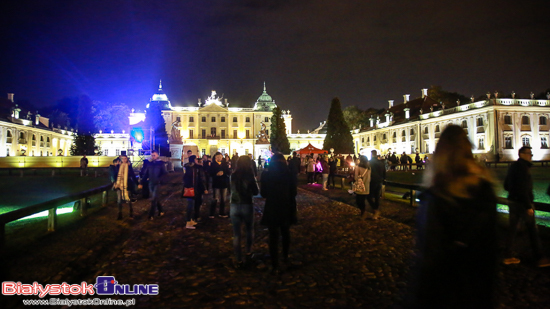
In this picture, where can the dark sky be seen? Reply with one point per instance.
(307, 52)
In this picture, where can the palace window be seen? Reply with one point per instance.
(544, 142)
(526, 141)
(8, 137)
(267, 132)
(412, 131)
(234, 119)
(374, 138)
(427, 147)
(464, 124)
(203, 133)
(437, 128)
(426, 130)
(525, 120)
(203, 119)
(213, 132)
(362, 140)
(203, 151)
(235, 134)
(223, 133)
(191, 134)
(223, 119)
(542, 120)
(213, 119)
(178, 119)
(480, 122)
(508, 142)
(247, 119)
(507, 119)
(247, 133)
(266, 119)
(481, 143)
(117, 152)
(106, 152)
(384, 136)
(191, 119)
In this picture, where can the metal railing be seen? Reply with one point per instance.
(51, 206)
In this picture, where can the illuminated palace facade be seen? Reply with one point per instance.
(495, 126)
(212, 125)
(25, 133)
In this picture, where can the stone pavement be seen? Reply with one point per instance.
(338, 260)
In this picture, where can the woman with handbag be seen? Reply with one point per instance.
(362, 184)
(124, 184)
(193, 189)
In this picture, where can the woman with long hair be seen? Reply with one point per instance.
(243, 189)
(362, 175)
(278, 186)
(456, 229)
(193, 177)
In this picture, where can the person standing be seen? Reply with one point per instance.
(260, 166)
(310, 170)
(185, 158)
(377, 180)
(418, 161)
(243, 189)
(278, 187)
(206, 167)
(332, 171)
(193, 177)
(325, 171)
(144, 182)
(154, 173)
(219, 171)
(519, 185)
(124, 184)
(456, 241)
(362, 183)
(83, 166)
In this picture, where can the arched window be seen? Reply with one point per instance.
(374, 138)
(480, 122)
(403, 133)
(464, 124)
(508, 119)
(437, 128)
(526, 141)
(542, 120)
(426, 130)
(384, 136)
(394, 134)
(525, 120)
(412, 131)
(41, 138)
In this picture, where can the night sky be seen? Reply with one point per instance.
(307, 52)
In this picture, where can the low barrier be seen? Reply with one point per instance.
(51, 207)
(22, 171)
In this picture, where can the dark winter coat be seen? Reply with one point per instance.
(325, 166)
(193, 177)
(279, 190)
(456, 250)
(154, 171)
(219, 182)
(132, 181)
(250, 188)
(378, 173)
(332, 167)
(519, 184)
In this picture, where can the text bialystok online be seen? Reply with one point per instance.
(105, 285)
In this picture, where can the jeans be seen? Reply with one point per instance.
(374, 195)
(360, 200)
(194, 207)
(155, 203)
(310, 177)
(274, 230)
(331, 177)
(325, 180)
(119, 201)
(218, 194)
(242, 213)
(517, 214)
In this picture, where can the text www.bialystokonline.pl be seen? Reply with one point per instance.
(79, 302)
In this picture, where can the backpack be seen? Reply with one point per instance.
(359, 184)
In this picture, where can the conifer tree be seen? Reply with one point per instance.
(338, 133)
(155, 120)
(279, 140)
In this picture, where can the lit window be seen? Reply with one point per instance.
(481, 144)
(213, 119)
(203, 119)
(266, 119)
(191, 119)
(247, 119)
(526, 141)
(544, 142)
(223, 119)
(508, 142)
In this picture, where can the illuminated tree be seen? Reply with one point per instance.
(83, 144)
(279, 140)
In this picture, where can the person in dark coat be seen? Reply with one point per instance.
(243, 190)
(220, 172)
(519, 185)
(278, 187)
(206, 167)
(332, 162)
(124, 184)
(456, 241)
(145, 189)
(418, 161)
(193, 177)
(154, 173)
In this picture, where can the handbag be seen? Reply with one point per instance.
(190, 192)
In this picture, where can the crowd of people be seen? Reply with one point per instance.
(456, 248)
